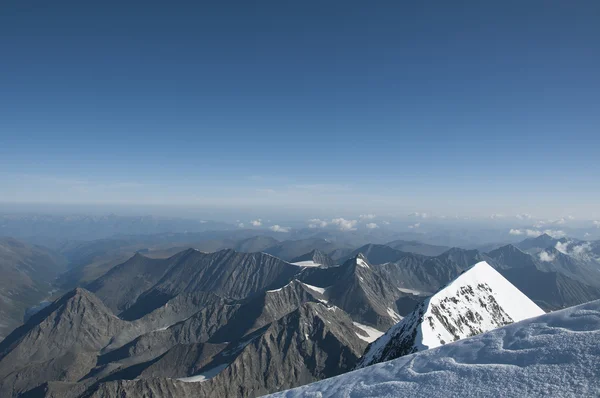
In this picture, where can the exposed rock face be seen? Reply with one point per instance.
(318, 342)
(477, 301)
(58, 343)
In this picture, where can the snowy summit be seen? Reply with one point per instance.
(480, 299)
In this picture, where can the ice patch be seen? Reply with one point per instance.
(316, 289)
(410, 291)
(394, 315)
(373, 334)
(306, 264)
(209, 374)
(361, 263)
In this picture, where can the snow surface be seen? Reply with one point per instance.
(410, 291)
(553, 355)
(373, 334)
(394, 315)
(306, 264)
(360, 262)
(316, 289)
(209, 374)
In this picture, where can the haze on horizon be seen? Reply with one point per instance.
(311, 109)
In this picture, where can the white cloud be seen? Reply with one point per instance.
(597, 224)
(256, 223)
(241, 225)
(536, 232)
(570, 217)
(420, 215)
(562, 247)
(278, 228)
(372, 225)
(555, 233)
(317, 223)
(344, 225)
(528, 232)
(385, 222)
(417, 225)
(497, 216)
(546, 257)
(367, 216)
(581, 250)
(524, 216)
(587, 234)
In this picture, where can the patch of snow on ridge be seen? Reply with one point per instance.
(553, 355)
(306, 264)
(208, 374)
(361, 263)
(316, 289)
(372, 333)
(394, 315)
(410, 291)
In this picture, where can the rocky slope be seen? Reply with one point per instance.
(550, 355)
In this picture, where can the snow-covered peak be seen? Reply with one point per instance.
(478, 300)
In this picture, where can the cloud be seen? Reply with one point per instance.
(555, 233)
(546, 257)
(344, 225)
(419, 215)
(256, 223)
(497, 216)
(414, 226)
(562, 247)
(527, 232)
(524, 216)
(367, 216)
(536, 232)
(240, 225)
(385, 222)
(372, 225)
(570, 217)
(317, 223)
(597, 223)
(278, 228)
(587, 234)
(581, 251)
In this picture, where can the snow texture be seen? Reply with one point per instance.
(209, 374)
(373, 334)
(315, 288)
(553, 355)
(306, 264)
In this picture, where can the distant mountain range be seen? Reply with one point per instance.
(189, 322)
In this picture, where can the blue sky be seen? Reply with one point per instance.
(334, 106)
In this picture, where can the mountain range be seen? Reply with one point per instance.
(230, 323)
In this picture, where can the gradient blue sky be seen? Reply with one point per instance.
(331, 106)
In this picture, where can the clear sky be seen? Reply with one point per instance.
(337, 106)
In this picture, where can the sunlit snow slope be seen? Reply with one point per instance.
(553, 355)
(478, 300)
